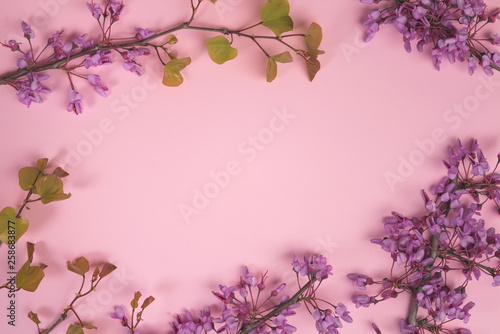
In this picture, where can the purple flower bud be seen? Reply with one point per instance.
(12, 45)
(75, 100)
(28, 32)
(278, 289)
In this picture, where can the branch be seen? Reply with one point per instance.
(295, 299)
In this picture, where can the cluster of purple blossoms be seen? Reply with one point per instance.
(312, 266)
(245, 307)
(29, 88)
(451, 27)
(449, 240)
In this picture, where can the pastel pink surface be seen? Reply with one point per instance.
(316, 182)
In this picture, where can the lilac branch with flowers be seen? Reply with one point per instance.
(450, 240)
(83, 52)
(454, 29)
(254, 312)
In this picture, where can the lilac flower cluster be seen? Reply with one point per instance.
(451, 27)
(449, 239)
(246, 308)
(94, 54)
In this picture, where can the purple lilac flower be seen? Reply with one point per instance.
(343, 313)
(119, 313)
(131, 64)
(227, 294)
(362, 300)
(143, 33)
(30, 89)
(226, 318)
(360, 281)
(82, 43)
(95, 9)
(116, 9)
(98, 58)
(25, 60)
(95, 81)
(28, 32)
(313, 265)
(12, 45)
(496, 281)
(326, 323)
(75, 102)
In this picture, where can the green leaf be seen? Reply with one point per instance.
(172, 39)
(284, 57)
(275, 16)
(28, 278)
(147, 302)
(88, 326)
(172, 75)
(271, 70)
(107, 269)
(11, 226)
(313, 39)
(50, 188)
(74, 329)
(79, 267)
(27, 177)
(313, 66)
(135, 302)
(34, 317)
(220, 50)
(42, 163)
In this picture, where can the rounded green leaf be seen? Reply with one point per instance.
(28, 278)
(11, 227)
(313, 66)
(313, 39)
(284, 57)
(75, 329)
(275, 16)
(27, 177)
(271, 70)
(41, 163)
(172, 74)
(50, 188)
(80, 266)
(220, 50)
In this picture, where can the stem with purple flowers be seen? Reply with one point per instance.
(81, 52)
(434, 249)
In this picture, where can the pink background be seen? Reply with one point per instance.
(317, 184)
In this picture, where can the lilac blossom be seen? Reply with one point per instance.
(12, 45)
(98, 58)
(451, 27)
(75, 102)
(450, 237)
(28, 32)
(143, 33)
(95, 9)
(95, 81)
(30, 89)
(119, 314)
